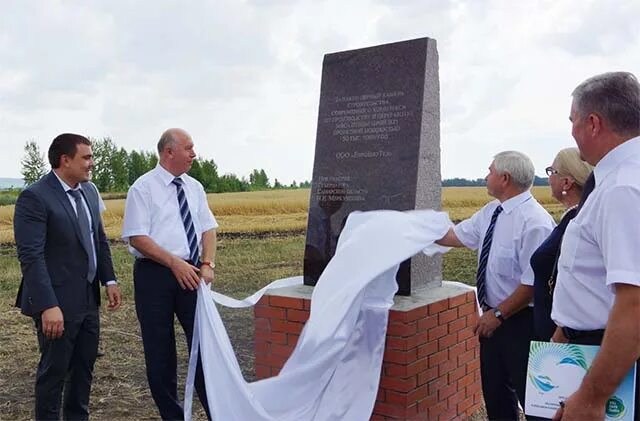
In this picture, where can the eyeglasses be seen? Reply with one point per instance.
(550, 170)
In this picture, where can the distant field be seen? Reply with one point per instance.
(283, 210)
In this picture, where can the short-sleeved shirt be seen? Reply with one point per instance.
(152, 209)
(521, 227)
(601, 246)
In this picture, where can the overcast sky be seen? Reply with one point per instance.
(243, 77)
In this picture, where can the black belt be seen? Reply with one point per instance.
(591, 336)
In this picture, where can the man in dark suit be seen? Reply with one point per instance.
(63, 253)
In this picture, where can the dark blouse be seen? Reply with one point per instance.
(543, 263)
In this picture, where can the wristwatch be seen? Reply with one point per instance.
(498, 314)
(207, 263)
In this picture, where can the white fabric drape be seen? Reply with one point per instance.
(334, 371)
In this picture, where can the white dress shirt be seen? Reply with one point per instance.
(601, 246)
(102, 208)
(521, 227)
(152, 209)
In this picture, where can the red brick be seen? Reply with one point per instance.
(381, 395)
(473, 366)
(417, 394)
(286, 302)
(270, 312)
(262, 371)
(427, 349)
(471, 297)
(466, 309)
(283, 350)
(400, 357)
(437, 332)
(456, 374)
(446, 391)
(456, 351)
(437, 384)
(278, 338)
(438, 358)
(466, 357)
(286, 326)
(403, 371)
(375, 417)
(397, 398)
(261, 347)
(472, 320)
(447, 316)
(261, 324)
(306, 304)
(427, 323)
(447, 341)
(463, 334)
(276, 370)
(466, 404)
(448, 415)
(297, 315)
(292, 339)
(428, 402)
(394, 342)
(401, 329)
(276, 361)
(457, 325)
(446, 367)
(427, 375)
(458, 300)
(436, 410)
(417, 314)
(472, 343)
(477, 398)
(438, 307)
(394, 411)
(466, 381)
(262, 335)
(473, 389)
(398, 385)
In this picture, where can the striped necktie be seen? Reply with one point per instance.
(481, 275)
(85, 233)
(187, 221)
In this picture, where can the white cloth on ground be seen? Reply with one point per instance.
(334, 371)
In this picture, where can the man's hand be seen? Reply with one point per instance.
(52, 323)
(114, 297)
(207, 273)
(558, 336)
(579, 408)
(186, 274)
(487, 324)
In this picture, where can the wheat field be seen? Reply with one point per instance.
(284, 210)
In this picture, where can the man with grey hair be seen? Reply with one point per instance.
(505, 232)
(597, 294)
(172, 233)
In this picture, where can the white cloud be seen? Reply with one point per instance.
(244, 76)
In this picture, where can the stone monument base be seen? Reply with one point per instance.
(431, 365)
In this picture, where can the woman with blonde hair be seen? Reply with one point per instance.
(567, 177)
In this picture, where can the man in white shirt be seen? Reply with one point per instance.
(505, 232)
(172, 233)
(597, 294)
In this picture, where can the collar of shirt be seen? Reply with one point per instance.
(615, 157)
(165, 176)
(65, 186)
(510, 204)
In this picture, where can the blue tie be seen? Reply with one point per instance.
(85, 232)
(481, 276)
(187, 221)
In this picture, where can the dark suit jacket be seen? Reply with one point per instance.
(53, 261)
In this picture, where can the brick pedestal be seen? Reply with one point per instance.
(431, 367)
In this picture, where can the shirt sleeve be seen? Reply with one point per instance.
(207, 220)
(137, 217)
(618, 234)
(531, 240)
(469, 230)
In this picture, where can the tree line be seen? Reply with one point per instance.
(115, 169)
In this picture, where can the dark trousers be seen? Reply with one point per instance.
(595, 337)
(158, 297)
(66, 364)
(503, 366)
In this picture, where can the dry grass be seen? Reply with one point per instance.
(284, 210)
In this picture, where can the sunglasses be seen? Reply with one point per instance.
(550, 171)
